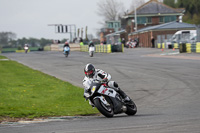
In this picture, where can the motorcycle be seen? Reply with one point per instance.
(26, 49)
(91, 51)
(66, 51)
(108, 101)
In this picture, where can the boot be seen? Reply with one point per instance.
(124, 96)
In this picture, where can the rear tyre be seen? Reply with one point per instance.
(131, 109)
(66, 54)
(107, 111)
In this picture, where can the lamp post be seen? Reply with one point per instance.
(134, 21)
(135, 18)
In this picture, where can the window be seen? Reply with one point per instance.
(161, 19)
(169, 18)
(141, 20)
(149, 20)
(110, 25)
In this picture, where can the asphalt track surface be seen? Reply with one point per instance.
(165, 88)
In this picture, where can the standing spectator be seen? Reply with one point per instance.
(137, 41)
(81, 41)
(104, 42)
(123, 41)
(153, 42)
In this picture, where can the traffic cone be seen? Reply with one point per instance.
(162, 49)
(173, 49)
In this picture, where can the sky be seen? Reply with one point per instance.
(30, 18)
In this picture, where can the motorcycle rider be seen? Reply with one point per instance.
(66, 45)
(92, 74)
(91, 44)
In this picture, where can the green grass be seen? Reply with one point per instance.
(27, 93)
(2, 57)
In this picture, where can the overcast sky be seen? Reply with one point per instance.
(30, 18)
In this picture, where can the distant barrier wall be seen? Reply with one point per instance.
(189, 48)
(15, 50)
(183, 47)
(104, 48)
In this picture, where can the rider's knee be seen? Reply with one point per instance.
(113, 85)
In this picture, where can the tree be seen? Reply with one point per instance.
(110, 9)
(170, 3)
(6, 37)
(192, 8)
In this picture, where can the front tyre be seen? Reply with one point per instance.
(107, 111)
(131, 109)
(91, 54)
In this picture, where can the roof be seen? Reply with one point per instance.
(165, 26)
(155, 7)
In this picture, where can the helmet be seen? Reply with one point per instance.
(91, 42)
(89, 70)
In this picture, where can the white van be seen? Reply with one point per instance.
(184, 36)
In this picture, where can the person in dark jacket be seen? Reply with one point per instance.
(153, 42)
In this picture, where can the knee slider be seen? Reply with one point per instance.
(113, 85)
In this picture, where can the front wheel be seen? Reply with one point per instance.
(91, 54)
(131, 109)
(107, 111)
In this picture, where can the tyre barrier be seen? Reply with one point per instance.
(183, 47)
(104, 48)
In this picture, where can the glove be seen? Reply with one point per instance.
(86, 96)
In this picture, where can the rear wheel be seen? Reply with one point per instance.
(131, 109)
(66, 54)
(104, 109)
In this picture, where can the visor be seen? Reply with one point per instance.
(89, 72)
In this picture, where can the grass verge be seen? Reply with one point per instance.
(28, 94)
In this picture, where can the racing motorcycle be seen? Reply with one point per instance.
(66, 51)
(26, 49)
(108, 101)
(91, 51)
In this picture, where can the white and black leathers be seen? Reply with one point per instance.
(102, 76)
(99, 75)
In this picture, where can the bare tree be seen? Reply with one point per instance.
(110, 9)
